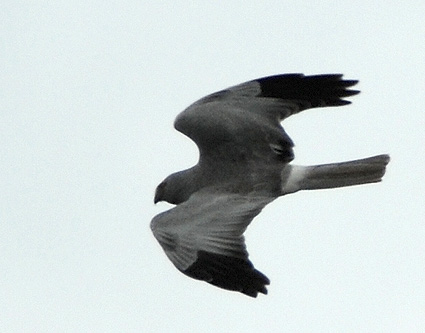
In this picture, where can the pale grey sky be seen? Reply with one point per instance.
(88, 95)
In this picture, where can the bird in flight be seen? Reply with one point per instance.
(244, 164)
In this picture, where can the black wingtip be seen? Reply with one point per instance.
(309, 91)
(228, 273)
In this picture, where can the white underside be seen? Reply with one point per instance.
(296, 176)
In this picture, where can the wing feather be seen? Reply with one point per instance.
(247, 116)
(203, 237)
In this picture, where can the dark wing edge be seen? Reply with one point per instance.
(308, 91)
(290, 90)
(228, 273)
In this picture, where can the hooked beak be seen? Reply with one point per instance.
(159, 193)
(156, 198)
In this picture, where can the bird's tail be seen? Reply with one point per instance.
(363, 171)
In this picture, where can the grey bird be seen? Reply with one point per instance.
(244, 164)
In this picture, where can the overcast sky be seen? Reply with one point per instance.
(88, 94)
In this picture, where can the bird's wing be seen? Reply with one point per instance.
(203, 237)
(246, 118)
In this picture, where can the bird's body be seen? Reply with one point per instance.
(244, 164)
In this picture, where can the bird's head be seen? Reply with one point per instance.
(174, 189)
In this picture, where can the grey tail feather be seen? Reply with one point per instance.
(363, 171)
